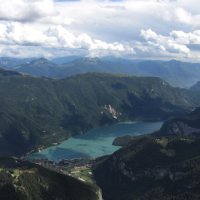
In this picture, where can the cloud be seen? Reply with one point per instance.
(133, 28)
(164, 43)
(186, 37)
(26, 10)
(67, 39)
(57, 37)
(159, 46)
(177, 44)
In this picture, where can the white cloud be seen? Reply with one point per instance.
(134, 28)
(57, 37)
(183, 16)
(168, 45)
(149, 34)
(26, 10)
(186, 38)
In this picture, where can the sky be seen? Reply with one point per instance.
(135, 29)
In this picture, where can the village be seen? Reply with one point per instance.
(79, 168)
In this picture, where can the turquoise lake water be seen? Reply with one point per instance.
(96, 142)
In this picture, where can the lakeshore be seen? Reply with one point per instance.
(95, 143)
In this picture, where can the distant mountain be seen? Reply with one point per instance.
(38, 67)
(64, 60)
(4, 73)
(9, 62)
(177, 73)
(41, 111)
(21, 180)
(196, 87)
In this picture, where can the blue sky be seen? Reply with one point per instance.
(153, 29)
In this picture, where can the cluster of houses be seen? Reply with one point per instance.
(64, 164)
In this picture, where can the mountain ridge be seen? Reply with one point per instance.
(36, 112)
(177, 73)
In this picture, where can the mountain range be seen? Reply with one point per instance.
(177, 73)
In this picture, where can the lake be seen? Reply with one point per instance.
(96, 142)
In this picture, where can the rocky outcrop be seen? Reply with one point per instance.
(182, 129)
(187, 125)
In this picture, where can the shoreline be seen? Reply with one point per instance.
(89, 140)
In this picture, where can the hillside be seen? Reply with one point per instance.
(183, 125)
(22, 180)
(151, 168)
(38, 111)
(162, 165)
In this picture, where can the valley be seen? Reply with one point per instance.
(38, 112)
(99, 100)
(94, 143)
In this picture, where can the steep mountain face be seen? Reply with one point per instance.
(183, 126)
(21, 180)
(163, 165)
(177, 73)
(41, 111)
(152, 168)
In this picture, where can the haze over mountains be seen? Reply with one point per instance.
(177, 73)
